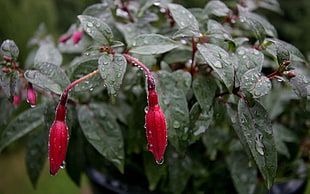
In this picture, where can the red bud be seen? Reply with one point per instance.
(16, 100)
(57, 146)
(64, 38)
(77, 36)
(156, 127)
(31, 95)
(58, 140)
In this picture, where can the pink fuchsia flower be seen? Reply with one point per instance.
(77, 36)
(31, 95)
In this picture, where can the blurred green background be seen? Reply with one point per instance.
(19, 19)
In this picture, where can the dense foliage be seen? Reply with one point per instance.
(234, 96)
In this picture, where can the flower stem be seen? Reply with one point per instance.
(138, 63)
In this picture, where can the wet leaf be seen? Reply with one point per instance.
(183, 17)
(8, 83)
(217, 8)
(47, 53)
(97, 29)
(21, 125)
(258, 134)
(36, 154)
(220, 62)
(153, 171)
(152, 44)
(112, 69)
(282, 135)
(253, 82)
(103, 133)
(204, 89)
(9, 49)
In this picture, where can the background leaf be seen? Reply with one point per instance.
(253, 82)
(47, 53)
(204, 89)
(103, 132)
(8, 83)
(217, 8)
(183, 17)
(21, 125)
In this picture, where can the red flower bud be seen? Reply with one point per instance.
(77, 36)
(58, 141)
(64, 38)
(156, 127)
(16, 100)
(31, 95)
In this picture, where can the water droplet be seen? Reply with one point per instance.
(241, 52)
(145, 41)
(97, 25)
(146, 109)
(156, 3)
(91, 89)
(218, 64)
(176, 124)
(160, 162)
(256, 52)
(88, 30)
(63, 165)
(89, 24)
(259, 144)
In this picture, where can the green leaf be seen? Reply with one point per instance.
(96, 9)
(187, 31)
(184, 80)
(204, 89)
(300, 85)
(82, 67)
(174, 104)
(47, 53)
(21, 125)
(200, 121)
(43, 81)
(103, 133)
(183, 17)
(54, 72)
(179, 169)
(152, 44)
(152, 170)
(220, 62)
(8, 83)
(216, 8)
(36, 154)
(257, 131)
(253, 82)
(97, 29)
(246, 59)
(243, 175)
(112, 69)
(9, 48)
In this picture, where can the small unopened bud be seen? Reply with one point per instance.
(16, 100)
(7, 59)
(31, 95)
(286, 63)
(64, 38)
(77, 36)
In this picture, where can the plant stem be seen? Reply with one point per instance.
(138, 63)
(64, 96)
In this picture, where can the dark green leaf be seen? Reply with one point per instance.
(152, 44)
(246, 59)
(83, 67)
(282, 135)
(183, 17)
(243, 175)
(220, 62)
(300, 85)
(112, 69)
(204, 89)
(47, 53)
(253, 82)
(21, 125)
(216, 8)
(179, 169)
(8, 83)
(174, 104)
(103, 133)
(36, 154)
(257, 131)
(184, 80)
(152, 170)
(283, 55)
(9, 48)
(97, 29)
(200, 121)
